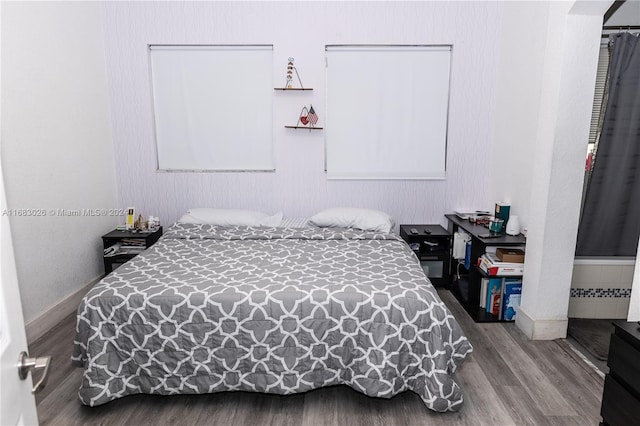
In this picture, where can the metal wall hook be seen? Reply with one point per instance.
(26, 364)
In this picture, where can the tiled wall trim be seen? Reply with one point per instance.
(601, 292)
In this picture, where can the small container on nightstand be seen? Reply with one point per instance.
(121, 246)
(432, 245)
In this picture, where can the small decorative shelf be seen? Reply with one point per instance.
(304, 127)
(292, 88)
(308, 118)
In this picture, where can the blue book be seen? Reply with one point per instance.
(511, 298)
(467, 255)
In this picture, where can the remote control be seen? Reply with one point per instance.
(414, 231)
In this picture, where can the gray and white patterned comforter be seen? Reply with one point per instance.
(210, 309)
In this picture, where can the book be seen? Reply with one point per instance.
(133, 241)
(499, 268)
(484, 282)
(511, 298)
(467, 255)
(463, 214)
(494, 295)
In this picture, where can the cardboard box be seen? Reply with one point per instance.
(510, 255)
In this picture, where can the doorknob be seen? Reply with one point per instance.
(26, 364)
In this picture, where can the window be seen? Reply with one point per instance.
(213, 107)
(387, 111)
(598, 98)
(596, 115)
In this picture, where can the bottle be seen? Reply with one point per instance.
(129, 223)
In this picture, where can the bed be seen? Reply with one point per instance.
(269, 309)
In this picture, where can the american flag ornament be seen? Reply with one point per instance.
(307, 119)
(312, 117)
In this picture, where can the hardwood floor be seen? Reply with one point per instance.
(507, 380)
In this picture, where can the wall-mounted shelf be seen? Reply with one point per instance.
(292, 88)
(304, 127)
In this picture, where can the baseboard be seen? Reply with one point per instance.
(37, 327)
(541, 329)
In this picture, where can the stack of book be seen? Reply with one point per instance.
(132, 246)
(500, 291)
(126, 246)
(492, 266)
(501, 296)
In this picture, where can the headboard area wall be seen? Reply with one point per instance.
(299, 186)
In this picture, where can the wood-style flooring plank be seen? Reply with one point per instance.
(567, 421)
(568, 372)
(484, 351)
(547, 397)
(340, 405)
(62, 334)
(522, 407)
(508, 379)
(62, 407)
(482, 404)
(263, 409)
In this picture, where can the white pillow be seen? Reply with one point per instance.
(349, 217)
(230, 217)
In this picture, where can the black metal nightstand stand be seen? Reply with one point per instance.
(127, 245)
(432, 245)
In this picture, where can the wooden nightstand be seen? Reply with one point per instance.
(432, 245)
(131, 244)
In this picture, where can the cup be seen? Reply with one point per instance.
(495, 225)
(153, 223)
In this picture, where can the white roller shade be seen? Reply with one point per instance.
(213, 107)
(387, 111)
(598, 94)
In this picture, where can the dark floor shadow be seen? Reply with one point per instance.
(593, 334)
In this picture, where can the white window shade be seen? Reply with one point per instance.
(387, 111)
(598, 95)
(213, 107)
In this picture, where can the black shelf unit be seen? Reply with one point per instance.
(432, 245)
(467, 288)
(117, 236)
(621, 395)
